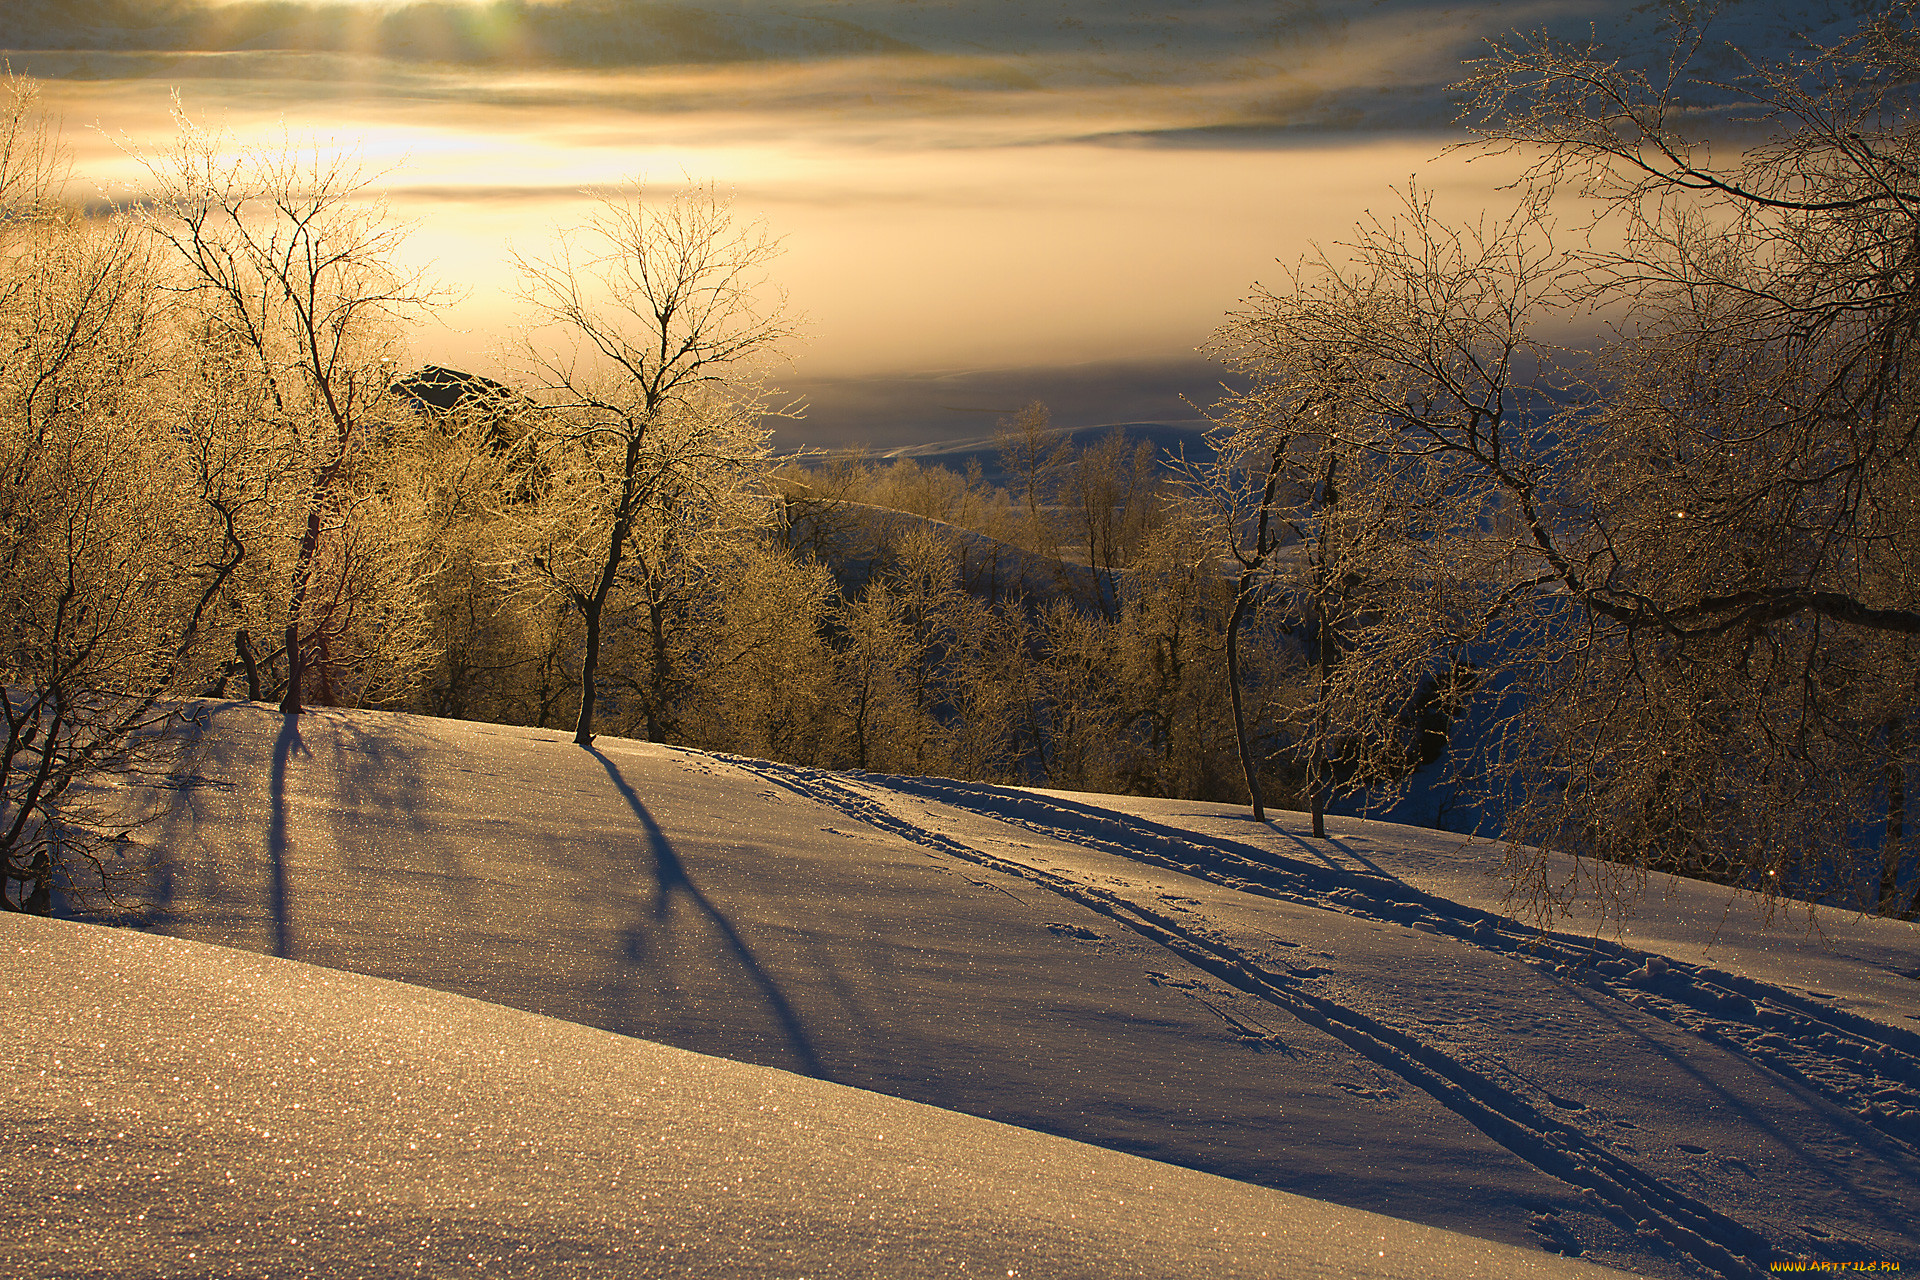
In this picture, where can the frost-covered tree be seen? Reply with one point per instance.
(1680, 564)
(1034, 458)
(296, 305)
(1746, 539)
(1361, 482)
(100, 565)
(649, 327)
(766, 677)
(1113, 502)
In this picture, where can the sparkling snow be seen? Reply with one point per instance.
(1353, 1021)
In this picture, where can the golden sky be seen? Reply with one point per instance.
(943, 212)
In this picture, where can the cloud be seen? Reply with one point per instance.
(1010, 74)
(936, 73)
(1033, 203)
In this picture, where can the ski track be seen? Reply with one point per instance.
(1864, 1067)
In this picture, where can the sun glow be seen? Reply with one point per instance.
(920, 241)
(943, 211)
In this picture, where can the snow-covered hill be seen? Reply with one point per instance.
(1351, 1020)
(1172, 442)
(177, 1109)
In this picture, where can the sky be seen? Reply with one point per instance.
(980, 202)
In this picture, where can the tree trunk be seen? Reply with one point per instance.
(591, 606)
(39, 902)
(244, 647)
(1250, 568)
(589, 669)
(1247, 764)
(657, 678)
(1893, 843)
(863, 706)
(1319, 768)
(302, 575)
(296, 673)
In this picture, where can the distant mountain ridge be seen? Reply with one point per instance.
(1171, 440)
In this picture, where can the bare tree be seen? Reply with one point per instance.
(96, 563)
(1234, 501)
(649, 325)
(1384, 435)
(1748, 452)
(290, 265)
(1114, 499)
(1683, 561)
(1034, 460)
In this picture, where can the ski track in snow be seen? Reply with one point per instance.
(1862, 1066)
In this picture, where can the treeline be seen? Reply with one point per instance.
(912, 619)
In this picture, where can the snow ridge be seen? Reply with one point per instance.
(1870, 1070)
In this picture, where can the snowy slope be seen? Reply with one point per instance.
(1351, 1020)
(177, 1109)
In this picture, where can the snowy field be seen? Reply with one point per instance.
(1352, 1021)
(186, 1110)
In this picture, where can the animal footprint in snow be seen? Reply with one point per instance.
(1074, 931)
(1362, 1091)
(1554, 1235)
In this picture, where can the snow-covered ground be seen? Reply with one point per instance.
(1351, 1020)
(177, 1109)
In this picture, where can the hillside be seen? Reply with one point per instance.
(1350, 1020)
(1172, 442)
(179, 1109)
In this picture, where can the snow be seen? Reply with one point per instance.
(182, 1109)
(1862, 964)
(1351, 1020)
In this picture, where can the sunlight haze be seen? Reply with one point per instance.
(1021, 189)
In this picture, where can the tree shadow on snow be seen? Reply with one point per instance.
(278, 909)
(672, 881)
